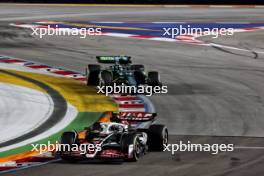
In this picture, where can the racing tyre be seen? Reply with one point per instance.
(128, 140)
(92, 73)
(154, 78)
(106, 78)
(139, 77)
(157, 137)
(68, 138)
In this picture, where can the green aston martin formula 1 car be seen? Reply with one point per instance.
(122, 71)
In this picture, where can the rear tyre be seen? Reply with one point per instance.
(106, 78)
(154, 78)
(126, 141)
(157, 137)
(92, 73)
(139, 77)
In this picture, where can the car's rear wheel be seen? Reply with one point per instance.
(92, 74)
(126, 141)
(154, 78)
(157, 137)
(139, 77)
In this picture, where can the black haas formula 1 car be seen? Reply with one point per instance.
(104, 140)
(122, 71)
(126, 136)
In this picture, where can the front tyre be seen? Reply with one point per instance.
(106, 78)
(68, 138)
(92, 74)
(130, 144)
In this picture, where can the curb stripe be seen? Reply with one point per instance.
(58, 71)
(13, 61)
(37, 66)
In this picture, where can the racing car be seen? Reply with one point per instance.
(118, 136)
(121, 71)
(111, 141)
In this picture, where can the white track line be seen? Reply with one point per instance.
(234, 48)
(247, 147)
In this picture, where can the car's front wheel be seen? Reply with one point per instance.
(157, 137)
(92, 74)
(68, 138)
(130, 144)
(106, 78)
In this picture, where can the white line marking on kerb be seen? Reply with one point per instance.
(234, 48)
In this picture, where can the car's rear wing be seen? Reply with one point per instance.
(114, 59)
(136, 116)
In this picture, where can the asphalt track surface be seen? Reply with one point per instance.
(215, 95)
